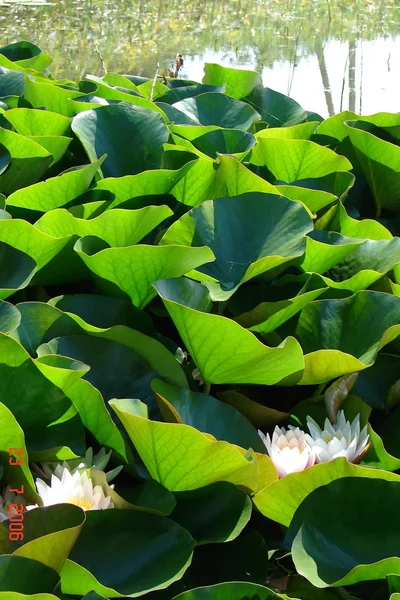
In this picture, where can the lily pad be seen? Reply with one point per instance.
(223, 351)
(245, 234)
(131, 139)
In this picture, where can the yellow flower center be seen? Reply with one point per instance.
(84, 503)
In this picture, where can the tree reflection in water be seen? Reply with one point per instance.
(134, 35)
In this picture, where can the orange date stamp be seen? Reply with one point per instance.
(16, 511)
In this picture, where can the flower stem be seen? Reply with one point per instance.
(207, 388)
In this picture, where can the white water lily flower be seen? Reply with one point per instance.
(342, 439)
(73, 488)
(288, 450)
(8, 498)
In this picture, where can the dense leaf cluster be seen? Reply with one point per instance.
(183, 263)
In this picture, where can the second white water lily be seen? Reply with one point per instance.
(288, 450)
(72, 488)
(341, 439)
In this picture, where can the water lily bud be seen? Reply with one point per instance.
(288, 450)
(342, 439)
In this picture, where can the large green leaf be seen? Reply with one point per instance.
(29, 121)
(349, 263)
(16, 268)
(40, 247)
(243, 559)
(29, 161)
(275, 108)
(380, 162)
(144, 552)
(239, 82)
(268, 316)
(223, 351)
(293, 160)
(105, 311)
(180, 457)
(206, 414)
(215, 513)
(5, 159)
(131, 138)
(188, 90)
(224, 141)
(133, 269)
(10, 317)
(36, 403)
(217, 109)
(55, 192)
(12, 436)
(117, 227)
(27, 54)
(245, 233)
(40, 323)
(57, 145)
(232, 590)
(38, 578)
(53, 97)
(280, 500)
(327, 331)
(116, 95)
(49, 534)
(11, 82)
(332, 545)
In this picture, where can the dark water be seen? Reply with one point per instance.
(326, 54)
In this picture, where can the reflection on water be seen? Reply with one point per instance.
(327, 54)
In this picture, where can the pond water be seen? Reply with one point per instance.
(326, 54)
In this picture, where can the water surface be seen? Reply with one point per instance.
(328, 55)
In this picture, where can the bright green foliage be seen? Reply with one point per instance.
(182, 263)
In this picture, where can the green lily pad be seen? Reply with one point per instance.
(180, 457)
(223, 351)
(55, 98)
(10, 317)
(117, 227)
(29, 121)
(206, 414)
(36, 403)
(268, 316)
(49, 534)
(11, 82)
(215, 513)
(56, 191)
(5, 159)
(245, 241)
(232, 590)
(275, 108)
(133, 269)
(131, 139)
(239, 82)
(326, 332)
(12, 436)
(145, 552)
(294, 160)
(16, 269)
(225, 141)
(38, 578)
(29, 161)
(217, 109)
(380, 162)
(27, 55)
(342, 551)
(280, 500)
